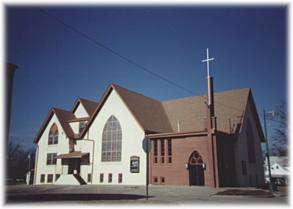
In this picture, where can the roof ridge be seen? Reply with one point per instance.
(134, 92)
(88, 100)
(59, 109)
(198, 96)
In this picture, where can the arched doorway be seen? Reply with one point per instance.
(196, 169)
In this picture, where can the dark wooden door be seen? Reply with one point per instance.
(73, 164)
(196, 169)
(196, 175)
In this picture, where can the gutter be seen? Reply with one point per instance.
(177, 134)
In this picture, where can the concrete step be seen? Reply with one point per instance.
(69, 179)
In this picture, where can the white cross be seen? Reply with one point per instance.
(207, 60)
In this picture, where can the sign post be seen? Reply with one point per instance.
(146, 145)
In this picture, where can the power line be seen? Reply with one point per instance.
(128, 60)
(101, 45)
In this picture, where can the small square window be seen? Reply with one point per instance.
(110, 178)
(89, 177)
(43, 178)
(155, 180)
(50, 178)
(163, 180)
(120, 178)
(101, 177)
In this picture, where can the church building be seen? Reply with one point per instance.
(212, 140)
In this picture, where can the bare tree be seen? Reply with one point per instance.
(280, 135)
(17, 161)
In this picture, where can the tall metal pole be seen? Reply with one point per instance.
(147, 173)
(267, 149)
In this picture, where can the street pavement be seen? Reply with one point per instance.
(97, 194)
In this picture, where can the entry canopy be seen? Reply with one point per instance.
(76, 154)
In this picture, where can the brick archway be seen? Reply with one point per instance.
(196, 169)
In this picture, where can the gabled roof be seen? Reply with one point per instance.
(63, 116)
(163, 117)
(149, 113)
(88, 105)
(188, 114)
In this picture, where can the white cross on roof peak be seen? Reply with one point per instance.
(208, 60)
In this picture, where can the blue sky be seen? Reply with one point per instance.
(56, 65)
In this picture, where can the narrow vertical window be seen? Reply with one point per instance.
(155, 151)
(89, 177)
(110, 178)
(120, 178)
(162, 180)
(155, 179)
(169, 151)
(50, 178)
(82, 125)
(162, 151)
(53, 135)
(42, 178)
(101, 177)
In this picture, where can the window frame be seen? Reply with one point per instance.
(43, 178)
(111, 150)
(50, 178)
(169, 151)
(110, 178)
(51, 158)
(53, 135)
(120, 178)
(162, 150)
(89, 178)
(81, 126)
(101, 178)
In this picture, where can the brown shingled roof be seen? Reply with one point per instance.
(63, 116)
(88, 105)
(190, 112)
(163, 117)
(149, 112)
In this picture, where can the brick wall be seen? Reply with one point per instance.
(176, 173)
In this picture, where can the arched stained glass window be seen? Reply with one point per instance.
(111, 140)
(53, 134)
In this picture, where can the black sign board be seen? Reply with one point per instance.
(134, 164)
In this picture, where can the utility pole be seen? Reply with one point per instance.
(267, 149)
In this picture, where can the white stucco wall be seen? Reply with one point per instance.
(60, 148)
(80, 112)
(75, 127)
(132, 136)
(85, 146)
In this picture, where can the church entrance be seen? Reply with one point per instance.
(196, 169)
(74, 165)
